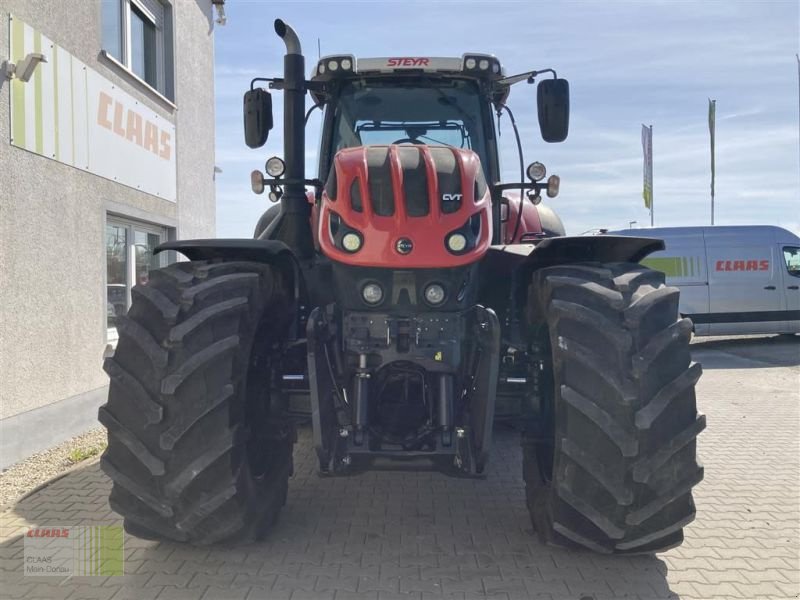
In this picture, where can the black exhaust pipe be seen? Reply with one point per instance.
(292, 225)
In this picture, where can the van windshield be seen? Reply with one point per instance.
(430, 112)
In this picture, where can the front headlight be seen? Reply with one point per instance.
(434, 294)
(456, 242)
(351, 242)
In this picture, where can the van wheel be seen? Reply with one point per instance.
(615, 467)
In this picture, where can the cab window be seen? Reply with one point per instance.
(791, 255)
(432, 112)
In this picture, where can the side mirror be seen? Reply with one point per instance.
(552, 99)
(257, 117)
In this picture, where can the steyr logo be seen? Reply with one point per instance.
(452, 197)
(407, 62)
(404, 246)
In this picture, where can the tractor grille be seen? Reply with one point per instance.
(400, 204)
(415, 181)
(379, 173)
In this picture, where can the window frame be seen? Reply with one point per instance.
(164, 75)
(131, 227)
(148, 18)
(784, 248)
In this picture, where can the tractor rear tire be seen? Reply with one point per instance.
(614, 468)
(197, 452)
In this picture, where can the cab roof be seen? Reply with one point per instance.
(482, 67)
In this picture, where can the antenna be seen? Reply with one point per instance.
(319, 49)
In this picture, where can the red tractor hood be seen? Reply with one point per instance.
(404, 203)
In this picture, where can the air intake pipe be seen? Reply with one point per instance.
(292, 225)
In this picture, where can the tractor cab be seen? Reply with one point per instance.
(410, 100)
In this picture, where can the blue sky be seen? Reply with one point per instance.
(628, 63)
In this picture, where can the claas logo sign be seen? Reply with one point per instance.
(742, 265)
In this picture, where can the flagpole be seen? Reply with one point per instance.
(712, 117)
(652, 194)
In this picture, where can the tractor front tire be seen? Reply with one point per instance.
(197, 452)
(614, 469)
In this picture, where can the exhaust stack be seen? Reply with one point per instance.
(292, 225)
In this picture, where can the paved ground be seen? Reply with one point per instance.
(424, 536)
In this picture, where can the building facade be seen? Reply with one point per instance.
(107, 150)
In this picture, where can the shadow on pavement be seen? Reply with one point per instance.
(758, 351)
(376, 535)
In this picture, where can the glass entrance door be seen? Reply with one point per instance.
(130, 256)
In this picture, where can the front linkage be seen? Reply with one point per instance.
(450, 387)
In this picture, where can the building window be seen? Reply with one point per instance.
(143, 47)
(130, 256)
(138, 35)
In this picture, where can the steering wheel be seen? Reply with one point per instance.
(409, 141)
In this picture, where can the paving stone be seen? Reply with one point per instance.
(304, 595)
(17, 590)
(334, 584)
(93, 593)
(257, 593)
(342, 595)
(140, 593)
(176, 593)
(180, 580)
(225, 593)
(293, 583)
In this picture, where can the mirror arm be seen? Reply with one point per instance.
(529, 76)
(276, 83)
(271, 81)
(317, 183)
(526, 185)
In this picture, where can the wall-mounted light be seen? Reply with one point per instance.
(23, 70)
(220, 5)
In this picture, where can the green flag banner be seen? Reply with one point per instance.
(647, 149)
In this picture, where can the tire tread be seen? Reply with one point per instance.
(624, 462)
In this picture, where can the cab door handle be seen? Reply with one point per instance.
(793, 287)
(769, 287)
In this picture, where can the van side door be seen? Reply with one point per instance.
(744, 283)
(791, 287)
(683, 262)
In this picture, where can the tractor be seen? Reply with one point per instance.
(404, 300)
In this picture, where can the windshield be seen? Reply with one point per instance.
(433, 112)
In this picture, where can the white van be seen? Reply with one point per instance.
(734, 280)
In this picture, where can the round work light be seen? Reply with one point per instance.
(275, 167)
(372, 293)
(536, 171)
(434, 294)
